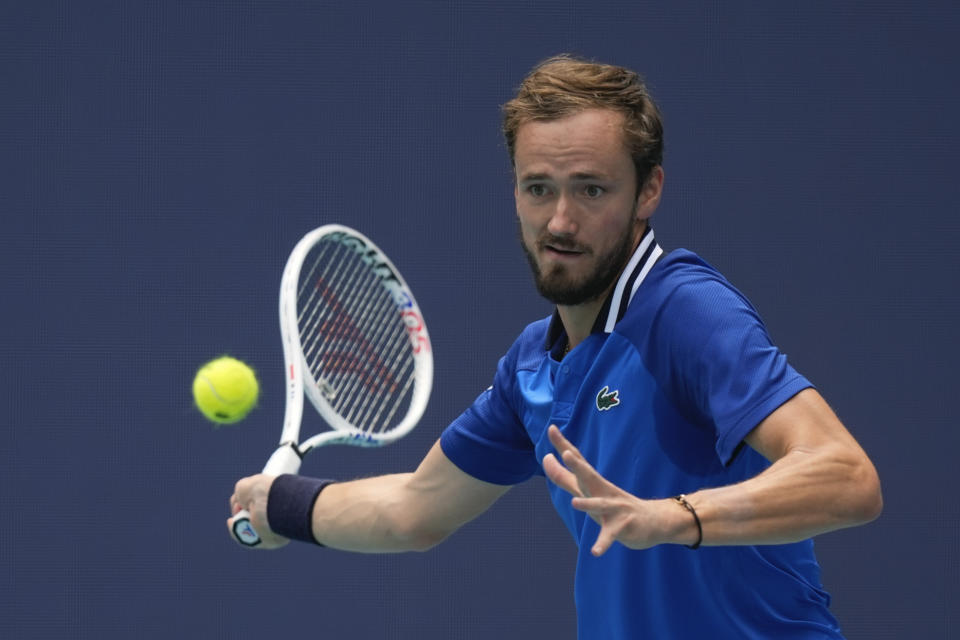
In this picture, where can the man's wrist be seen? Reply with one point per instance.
(692, 518)
(290, 506)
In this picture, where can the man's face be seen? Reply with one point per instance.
(577, 204)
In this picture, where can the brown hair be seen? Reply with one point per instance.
(564, 85)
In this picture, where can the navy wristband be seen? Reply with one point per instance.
(290, 506)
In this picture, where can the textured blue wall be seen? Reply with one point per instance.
(159, 159)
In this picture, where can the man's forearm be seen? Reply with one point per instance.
(404, 511)
(819, 480)
(372, 515)
(799, 496)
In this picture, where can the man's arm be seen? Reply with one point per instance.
(819, 480)
(398, 512)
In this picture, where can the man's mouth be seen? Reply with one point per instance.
(560, 247)
(560, 250)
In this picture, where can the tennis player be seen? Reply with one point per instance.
(691, 463)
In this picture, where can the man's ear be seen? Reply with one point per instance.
(649, 197)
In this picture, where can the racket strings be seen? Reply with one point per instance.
(308, 326)
(338, 345)
(354, 339)
(330, 327)
(395, 364)
(329, 330)
(366, 411)
(400, 367)
(352, 348)
(385, 373)
(380, 377)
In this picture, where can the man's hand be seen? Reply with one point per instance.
(251, 494)
(635, 523)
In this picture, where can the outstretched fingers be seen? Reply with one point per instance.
(560, 475)
(603, 511)
(564, 474)
(604, 541)
(589, 482)
(608, 505)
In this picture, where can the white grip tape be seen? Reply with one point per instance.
(284, 460)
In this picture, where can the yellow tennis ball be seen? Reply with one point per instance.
(225, 390)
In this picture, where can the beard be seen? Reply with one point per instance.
(561, 287)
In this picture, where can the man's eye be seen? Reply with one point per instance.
(537, 190)
(593, 191)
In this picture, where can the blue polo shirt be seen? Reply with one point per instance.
(678, 370)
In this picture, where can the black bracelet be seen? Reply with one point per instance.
(290, 506)
(683, 502)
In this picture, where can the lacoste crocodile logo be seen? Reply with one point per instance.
(607, 399)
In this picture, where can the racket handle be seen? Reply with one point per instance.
(243, 531)
(286, 459)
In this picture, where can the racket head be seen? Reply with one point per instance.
(355, 338)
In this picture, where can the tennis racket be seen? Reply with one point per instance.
(355, 344)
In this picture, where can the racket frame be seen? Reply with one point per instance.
(300, 383)
(289, 453)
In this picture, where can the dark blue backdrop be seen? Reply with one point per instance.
(159, 159)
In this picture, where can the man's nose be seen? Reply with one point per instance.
(563, 221)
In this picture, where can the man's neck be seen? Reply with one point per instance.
(578, 320)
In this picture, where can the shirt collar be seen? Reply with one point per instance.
(615, 306)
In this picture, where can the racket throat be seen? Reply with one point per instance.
(296, 448)
(286, 459)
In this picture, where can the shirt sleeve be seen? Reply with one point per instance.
(488, 440)
(723, 364)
